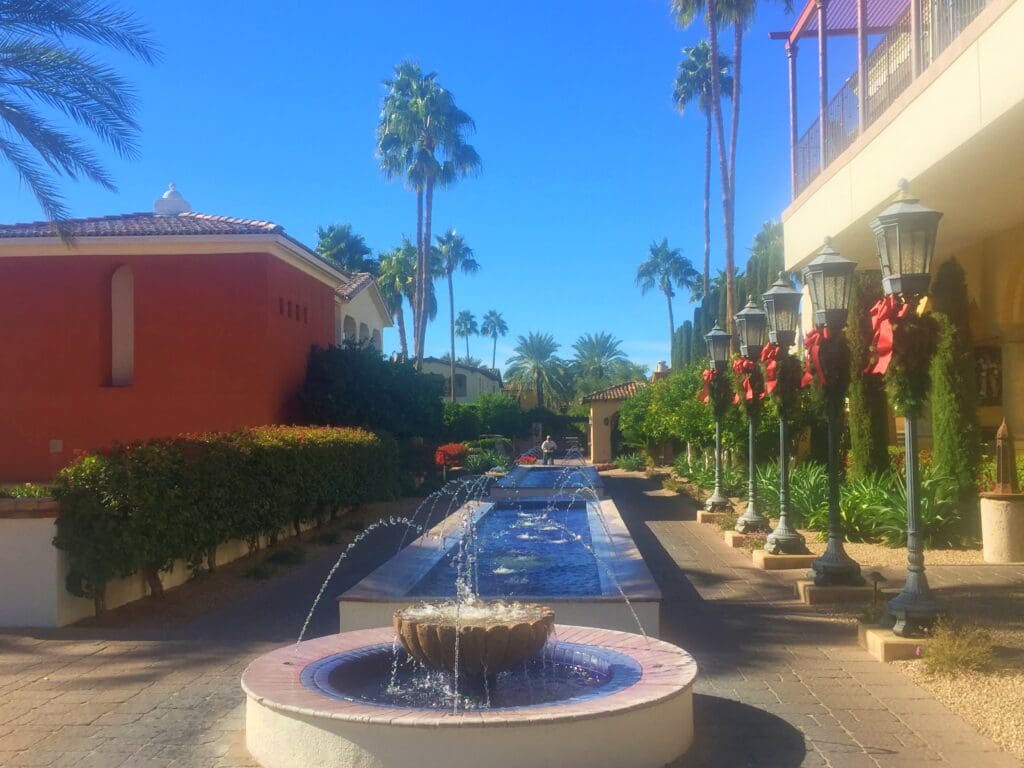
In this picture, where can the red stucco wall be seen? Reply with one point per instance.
(212, 350)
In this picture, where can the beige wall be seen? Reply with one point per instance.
(600, 432)
(476, 383)
(362, 318)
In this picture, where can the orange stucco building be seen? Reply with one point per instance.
(151, 325)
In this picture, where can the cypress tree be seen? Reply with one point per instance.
(956, 449)
(869, 410)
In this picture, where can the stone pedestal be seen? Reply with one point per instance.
(811, 594)
(1002, 527)
(735, 539)
(885, 646)
(710, 516)
(770, 562)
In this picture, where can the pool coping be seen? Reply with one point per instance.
(392, 580)
(274, 680)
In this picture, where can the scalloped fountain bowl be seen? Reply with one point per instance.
(591, 697)
(494, 636)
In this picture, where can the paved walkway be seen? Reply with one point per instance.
(781, 685)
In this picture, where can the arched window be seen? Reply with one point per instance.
(375, 340)
(122, 327)
(364, 333)
(349, 327)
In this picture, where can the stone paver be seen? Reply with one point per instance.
(781, 685)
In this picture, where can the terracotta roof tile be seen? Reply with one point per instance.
(146, 225)
(354, 284)
(616, 392)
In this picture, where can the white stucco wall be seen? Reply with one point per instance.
(363, 311)
(476, 382)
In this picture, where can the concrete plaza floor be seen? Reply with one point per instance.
(782, 685)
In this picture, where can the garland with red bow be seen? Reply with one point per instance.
(903, 342)
(709, 376)
(717, 391)
(770, 358)
(885, 314)
(812, 362)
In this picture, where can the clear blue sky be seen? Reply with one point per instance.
(267, 110)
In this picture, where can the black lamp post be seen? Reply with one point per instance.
(829, 278)
(905, 239)
(718, 350)
(751, 324)
(782, 305)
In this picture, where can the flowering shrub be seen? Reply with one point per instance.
(139, 507)
(450, 454)
(527, 458)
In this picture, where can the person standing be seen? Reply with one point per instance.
(548, 448)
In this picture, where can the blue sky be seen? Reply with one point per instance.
(267, 110)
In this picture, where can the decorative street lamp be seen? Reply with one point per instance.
(716, 386)
(829, 278)
(782, 376)
(904, 343)
(751, 324)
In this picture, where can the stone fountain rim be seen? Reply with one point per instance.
(666, 672)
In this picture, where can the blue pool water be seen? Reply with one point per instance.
(524, 550)
(552, 477)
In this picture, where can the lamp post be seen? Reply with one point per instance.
(782, 304)
(905, 240)
(829, 278)
(718, 350)
(751, 324)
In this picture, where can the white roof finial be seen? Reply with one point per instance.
(171, 203)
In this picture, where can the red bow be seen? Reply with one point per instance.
(770, 358)
(705, 394)
(883, 314)
(743, 366)
(812, 343)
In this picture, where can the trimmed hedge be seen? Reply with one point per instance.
(140, 507)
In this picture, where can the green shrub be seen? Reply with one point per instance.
(287, 556)
(808, 496)
(631, 462)
(499, 414)
(140, 507)
(461, 422)
(26, 491)
(484, 461)
(958, 648)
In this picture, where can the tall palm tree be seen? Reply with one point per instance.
(598, 356)
(766, 258)
(40, 68)
(534, 364)
(466, 326)
(494, 325)
(421, 136)
(665, 270)
(397, 274)
(693, 85)
(454, 256)
(685, 12)
(345, 249)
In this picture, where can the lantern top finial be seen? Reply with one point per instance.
(828, 241)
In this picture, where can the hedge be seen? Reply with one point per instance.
(139, 507)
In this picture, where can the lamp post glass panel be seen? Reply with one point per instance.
(718, 350)
(905, 235)
(828, 278)
(782, 306)
(751, 325)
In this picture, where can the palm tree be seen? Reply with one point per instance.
(345, 249)
(534, 364)
(598, 356)
(693, 85)
(685, 12)
(397, 274)
(466, 326)
(666, 269)
(766, 258)
(494, 325)
(422, 137)
(455, 255)
(39, 67)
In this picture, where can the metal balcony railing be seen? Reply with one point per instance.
(889, 73)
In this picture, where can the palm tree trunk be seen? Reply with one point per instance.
(707, 203)
(494, 352)
(671, 324)
(400, 321)
(737, 56)
(419, 294)
(467, 346)
(538, 384)
(723, 162)
(428, 213)
(451, 315)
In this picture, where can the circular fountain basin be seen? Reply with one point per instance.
(306, 706)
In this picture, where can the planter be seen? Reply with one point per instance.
(1002, 527)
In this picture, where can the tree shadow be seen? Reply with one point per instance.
(730, 734)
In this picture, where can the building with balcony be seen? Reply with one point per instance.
(936, 96)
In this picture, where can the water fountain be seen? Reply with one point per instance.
(463, 680)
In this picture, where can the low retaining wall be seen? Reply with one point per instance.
(32, 570)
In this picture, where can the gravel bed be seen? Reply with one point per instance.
(881, 556)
